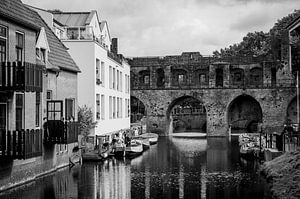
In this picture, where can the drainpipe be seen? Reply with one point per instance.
(298, 114)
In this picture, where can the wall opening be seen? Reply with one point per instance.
(160, 78)
(244, 113)
(291, 114)
(186, 114)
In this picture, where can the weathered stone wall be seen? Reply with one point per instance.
(274, 104)
(257, 81)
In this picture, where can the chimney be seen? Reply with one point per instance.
(114, 45)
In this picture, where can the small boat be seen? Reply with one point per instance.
(144, 141)
(92, 156)
(151, 136)
(119, 150)
(135, 148)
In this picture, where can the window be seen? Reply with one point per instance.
(43, 55)
(3, 42)
(110, 107)
(146, 79)
(114, 107)
(49, 94)
(98, 106)
(118, 78)
(114, 79)
(54, 110)
(37, 108)
(19, 46)
(202, 79)
(19, 111)
(102, 107)
(121, 81)
(69, 108)
(110, 77)
(118, 107)
(102, 73)
(180, 78)
(97, 71)
(121, 108)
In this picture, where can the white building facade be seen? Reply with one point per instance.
(104, 81)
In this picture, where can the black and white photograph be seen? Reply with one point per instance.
(149, 99)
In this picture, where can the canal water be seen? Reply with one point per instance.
(174, 168)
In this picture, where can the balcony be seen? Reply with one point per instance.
(114, 57)
(18, 76)
(22, 144)
(59, 132)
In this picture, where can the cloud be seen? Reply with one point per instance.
(165, 27)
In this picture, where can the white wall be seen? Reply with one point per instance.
(85, 54)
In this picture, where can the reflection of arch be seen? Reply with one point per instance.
(256, 76)
(160, 77)
(291, 111)
(244, 112)
(138, 109)
(190, 111)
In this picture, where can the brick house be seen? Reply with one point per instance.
(38, 83)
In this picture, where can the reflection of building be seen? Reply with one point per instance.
(111, 179)
(103, 83)
(36, 73)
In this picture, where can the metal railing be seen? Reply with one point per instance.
(59, 132)
(21, 144)
(21, 76)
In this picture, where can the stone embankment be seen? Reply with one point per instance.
(283, 173)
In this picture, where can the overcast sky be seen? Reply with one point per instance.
(169, 27)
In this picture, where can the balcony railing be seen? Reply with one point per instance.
(59, 132)
(114, 57)
(21, 144)
(21, 76)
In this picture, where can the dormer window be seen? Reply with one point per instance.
(41, 54)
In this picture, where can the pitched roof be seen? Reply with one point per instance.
(74, 18)
(17, 12)
(293, 23)
(58, 55)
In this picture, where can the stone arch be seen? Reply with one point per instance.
(190, 110)
(137, 109)
(243, 113)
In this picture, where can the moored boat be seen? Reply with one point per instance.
(135, 148)
(91, 156)
(151, 136)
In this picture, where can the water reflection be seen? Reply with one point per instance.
(174, 168)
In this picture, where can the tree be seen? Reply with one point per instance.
(85, 119)
(260, 43)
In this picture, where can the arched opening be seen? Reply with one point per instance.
(244, 113)
(138, 109)
(186, 114)
(237, 77)
(179, 77)
(219, 77)
(256, 77)
(160, 78)
(291, 113)
(144, 77)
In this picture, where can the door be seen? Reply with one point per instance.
(3, 125)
